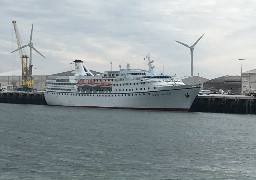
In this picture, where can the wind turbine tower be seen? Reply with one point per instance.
(31, 47)
(191, 52)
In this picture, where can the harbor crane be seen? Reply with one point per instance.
(26, 81)
(27, 77)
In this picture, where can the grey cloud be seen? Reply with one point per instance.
(124, 30)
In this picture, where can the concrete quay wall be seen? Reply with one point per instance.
(23, 98)
(233, 104)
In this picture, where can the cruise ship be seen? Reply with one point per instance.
(124, 89)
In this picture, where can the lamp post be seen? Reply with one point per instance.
(241, 74)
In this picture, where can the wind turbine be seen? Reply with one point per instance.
(191, 51)
(31, 46)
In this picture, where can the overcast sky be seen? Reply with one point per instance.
(125, 31)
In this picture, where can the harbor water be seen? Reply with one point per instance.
(51, 142)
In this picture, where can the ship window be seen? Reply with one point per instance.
(154, 87)
(140, 88)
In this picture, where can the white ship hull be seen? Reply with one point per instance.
(171, 98)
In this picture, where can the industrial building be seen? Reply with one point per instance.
(10, 83)
(249, 81)
(16, 81)
(194, 80)
(227, 84)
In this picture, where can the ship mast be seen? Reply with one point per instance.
(150, 63)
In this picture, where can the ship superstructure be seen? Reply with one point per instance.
(126, 88)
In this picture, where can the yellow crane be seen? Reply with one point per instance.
(26, 81)
(27, 77)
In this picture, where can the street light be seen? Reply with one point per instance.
(241, 74)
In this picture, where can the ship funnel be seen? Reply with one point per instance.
(80, 69)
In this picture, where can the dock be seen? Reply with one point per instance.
(215, 103)
(17, 97)
(221, 103)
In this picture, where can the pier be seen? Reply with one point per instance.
(233, 104)
(23, 98)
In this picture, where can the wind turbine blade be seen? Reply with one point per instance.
(19, 48)
(183, 44)
(197, 41)
(38, 52)
(31, 33)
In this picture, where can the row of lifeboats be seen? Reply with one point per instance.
(93, 83)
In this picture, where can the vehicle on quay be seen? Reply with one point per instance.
(204, 92)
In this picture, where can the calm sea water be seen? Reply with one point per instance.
(43, 142)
